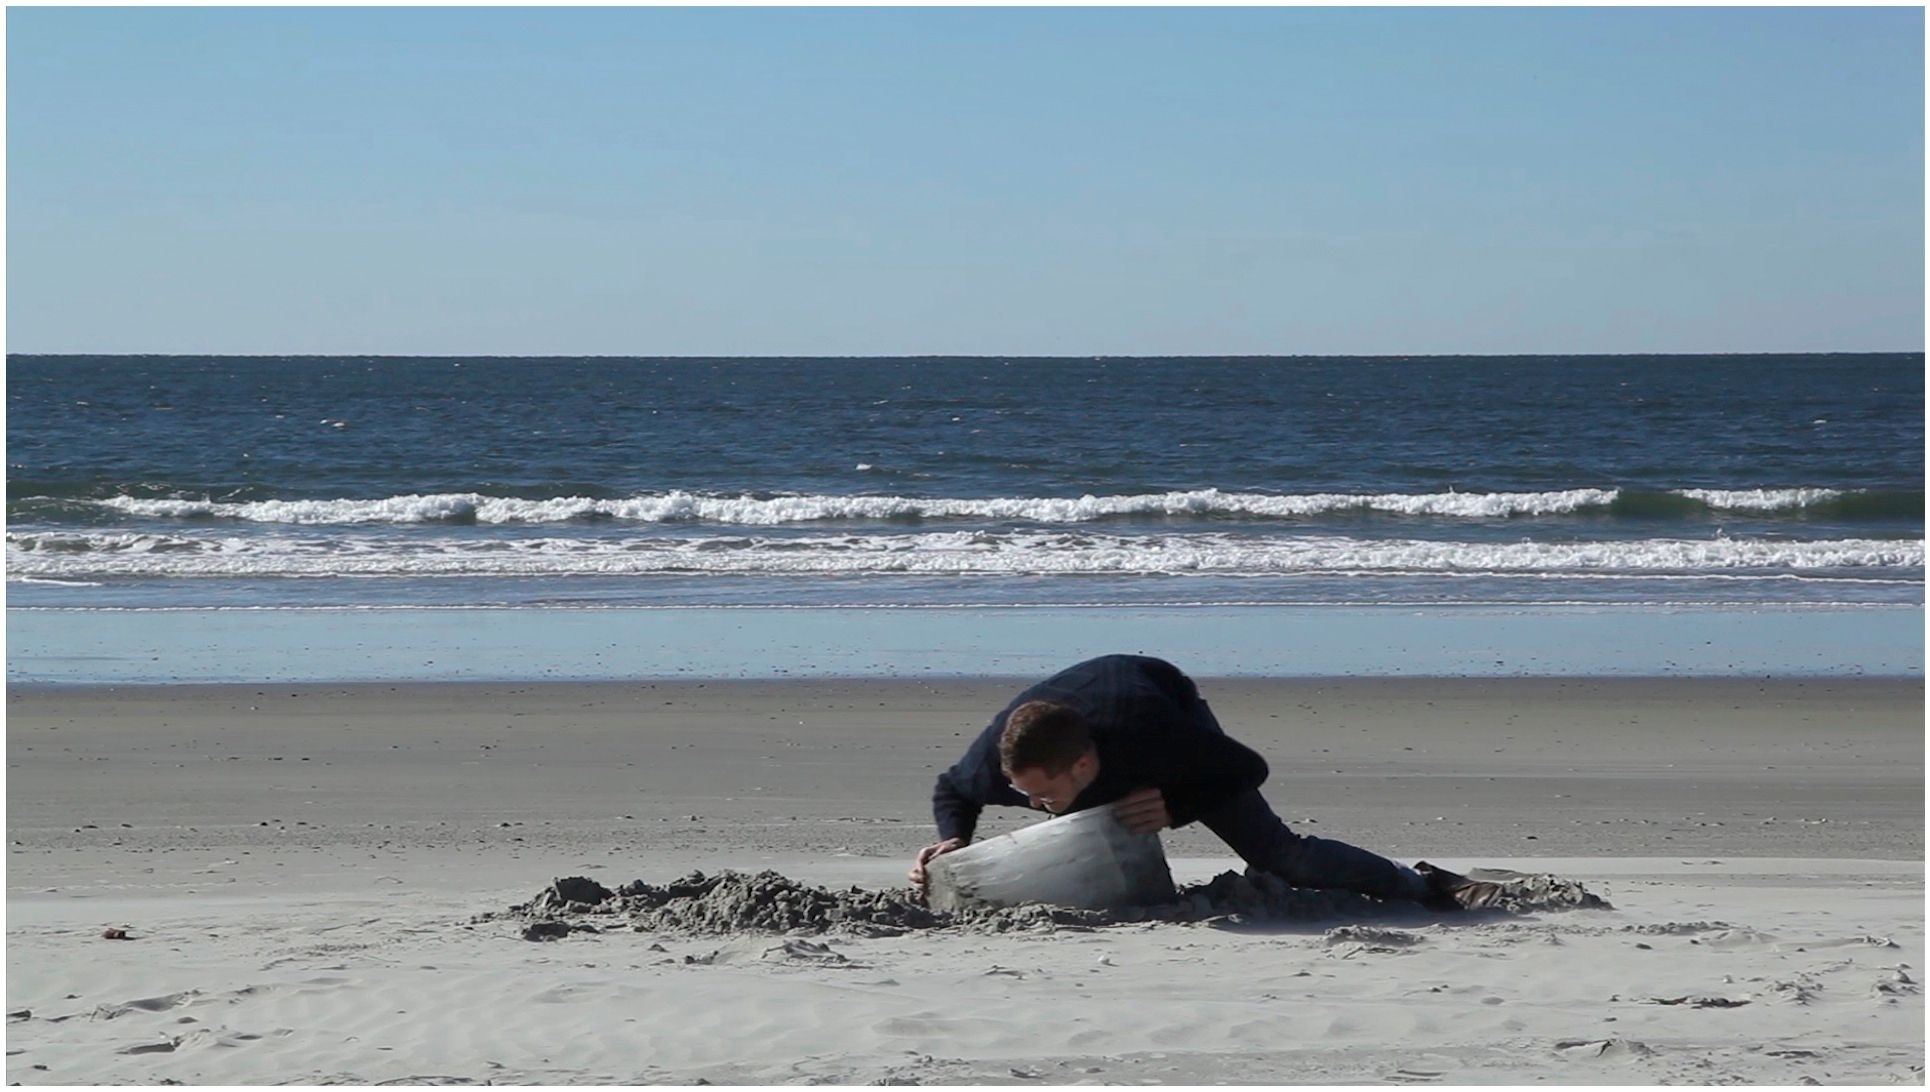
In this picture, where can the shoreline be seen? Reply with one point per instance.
(406, 644)
(1404, 682)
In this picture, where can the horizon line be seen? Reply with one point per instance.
(970, 356)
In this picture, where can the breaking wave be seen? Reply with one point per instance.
(752, 510)
(77, 555)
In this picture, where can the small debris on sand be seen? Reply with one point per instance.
(806, 951)
(151, 1048)
(115, 934)
(767, 902)
(1701, 1002)
(1374, 940)
(1897, 983)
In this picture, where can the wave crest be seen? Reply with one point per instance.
(679, 506)
(1025, 553)
(1761, 500)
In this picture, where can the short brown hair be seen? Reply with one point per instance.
(1043, 735)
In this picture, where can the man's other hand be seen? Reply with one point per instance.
(1143, 811)
(917, 873)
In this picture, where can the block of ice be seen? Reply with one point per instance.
(1085, 860)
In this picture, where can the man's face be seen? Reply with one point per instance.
(1055, 793)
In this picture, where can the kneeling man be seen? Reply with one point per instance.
(1133, 732)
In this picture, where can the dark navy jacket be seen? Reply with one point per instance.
(1149, 727)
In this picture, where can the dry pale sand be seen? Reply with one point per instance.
(299, 868)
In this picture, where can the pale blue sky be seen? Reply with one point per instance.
(997, 181)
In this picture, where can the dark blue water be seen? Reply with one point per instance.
(157, 481)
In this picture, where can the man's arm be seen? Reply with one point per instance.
(960, 794)
(965, 790)
(953, 809)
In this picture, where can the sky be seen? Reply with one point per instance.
(998, 181)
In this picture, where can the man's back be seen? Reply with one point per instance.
(1148, 726)
(1115, 693)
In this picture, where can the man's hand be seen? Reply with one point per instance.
(1143, 811)
(917, 873)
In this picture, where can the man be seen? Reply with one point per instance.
(1133, 732)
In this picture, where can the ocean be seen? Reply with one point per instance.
(309, 482)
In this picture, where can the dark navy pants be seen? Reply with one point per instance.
(1264, 841)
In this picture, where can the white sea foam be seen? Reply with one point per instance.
(71, 555)
(1761, 500)
(678, 506)
(55, 543)
(752, 511)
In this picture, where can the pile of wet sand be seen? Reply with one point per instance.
(767, 902)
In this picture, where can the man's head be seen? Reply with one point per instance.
(1046, 752)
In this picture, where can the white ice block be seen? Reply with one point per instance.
(1085, 860)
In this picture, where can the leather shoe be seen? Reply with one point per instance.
(1451, 891)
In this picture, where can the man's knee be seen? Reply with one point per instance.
(1251, 829)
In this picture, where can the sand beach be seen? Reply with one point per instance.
(313, 882)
